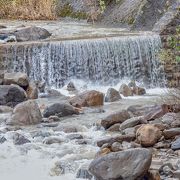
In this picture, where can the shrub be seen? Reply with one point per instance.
(27, 9)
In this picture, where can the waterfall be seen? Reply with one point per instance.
(100, 60)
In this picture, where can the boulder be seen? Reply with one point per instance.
(148, 135)
(139, 90)
(31, 33)
(11, 95)
(59, 110)
(130, 164)
(112, 95)
(26, 113)
(171, 133)
(32, 91)
(131, 122)
(88, 98)
(125, 90)
(20, 79)
(115, 118)
(103, 152)
(67, 128)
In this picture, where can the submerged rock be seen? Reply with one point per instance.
(19, 139)
(139, 90)
(26, 113)
(112, 95)
(71, 87)
(53, 140)
(6, 109)
(148, 135)
(11, 95)
(88, 98)
(59, 110)
(115, 118)
(130, 164)
(2, 139)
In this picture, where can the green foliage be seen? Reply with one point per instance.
(172, 53)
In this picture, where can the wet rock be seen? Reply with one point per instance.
(103, 152)
(71, 87)
(118, 138)
(19, 139)
(58, 169)
(176, 144)
(50, 124)
(5, 109)
(53, 119)
(2, 26)
(42, 134)
(53, 140)
(66, 128)
(114, 118)
(171, 133)
(18, 78)
(125, 90)
(161, 145)
(2, 139)
(32, 91)
(150, 112)
(166, 169)
(59, 110)
(129, 131)
(116, 146)
(26, 113)
(131, 122)
(53, 93)
(169, 118)
(114, 127)
(83, 173)
(139, 90)
(148, 135)
(82, 141)
(11, 95)
(132, 84)
(88, 98)
(129, 164)
(41, 86)
(112, 95)
(31, 33)
(74, 136)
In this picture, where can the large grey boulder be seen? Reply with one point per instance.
(117, 117)
(127, 165)
(59, 110)
(11, 95)
(31, 33)
(112, 95)
(26, 113)
(18, 78)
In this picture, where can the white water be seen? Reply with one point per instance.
(105, 61)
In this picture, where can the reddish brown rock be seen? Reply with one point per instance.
(88, 98)
(139, 90)
(32, 91)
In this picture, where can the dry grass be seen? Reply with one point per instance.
(28, 9)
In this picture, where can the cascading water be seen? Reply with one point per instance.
(101, 60)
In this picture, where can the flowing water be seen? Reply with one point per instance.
(95, 58)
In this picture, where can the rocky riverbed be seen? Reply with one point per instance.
(79, 136)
